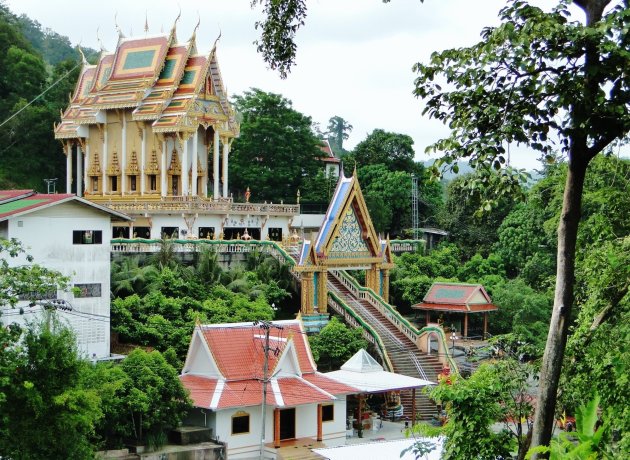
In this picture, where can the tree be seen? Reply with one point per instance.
(46, 414)
(338, 131)
(277, 149)
(393, 150)
(335, 344)
(538, 78)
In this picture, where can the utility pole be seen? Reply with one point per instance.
(266, 326)
(414, 206)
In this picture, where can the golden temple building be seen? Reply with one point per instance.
(148, 132)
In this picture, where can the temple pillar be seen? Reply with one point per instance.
(123, 156)
(319, 423)
(413, 406)
(385, 285)
(322, 294)
(86, 161)
(143, 153)
(79, 170)
(276, 427)
(69, 167)
(215, 165)
(465, 324)
(372, 278)
(307, 293)
(226, 151)
(185, 169)
(105, 162)
(163, 169)
(195, 160)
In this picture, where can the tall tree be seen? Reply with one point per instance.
(394, 150)
(338, 131)
(536, 79)
(277, 148)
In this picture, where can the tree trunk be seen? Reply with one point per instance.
(563, 301)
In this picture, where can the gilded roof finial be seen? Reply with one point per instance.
(217, 39)
(194, 34)
(120, 34)
(354, 173)
(83, 60)
(174, 28)
(146, 22)
(98, 39)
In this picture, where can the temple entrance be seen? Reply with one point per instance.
(287, 424)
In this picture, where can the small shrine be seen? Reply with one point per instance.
(457, 298)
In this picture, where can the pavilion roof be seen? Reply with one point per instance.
(456, 297)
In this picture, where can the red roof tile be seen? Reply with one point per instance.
(201, 389)
(295, 391)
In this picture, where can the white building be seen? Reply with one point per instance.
(224, 374)
(71, 235)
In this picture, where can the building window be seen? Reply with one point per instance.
(152, 182)
(120, 232)
(132, 183)
(114, 183)
(87, 237)
(45, 293)
(87, 290)
(328, 413)
(95, 184)
(275, 233)
(240, 423)
(142, 232)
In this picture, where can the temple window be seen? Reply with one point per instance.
(132, 183)
(87, 237)
(328, 413)
(206, 233)
(170, 232)
(114, 183)
(240, 423)
(153, 182)
(95, 184)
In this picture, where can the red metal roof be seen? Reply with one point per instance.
(329, 385)
(17, 201)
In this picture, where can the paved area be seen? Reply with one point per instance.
(386, 432)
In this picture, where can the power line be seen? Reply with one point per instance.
(40, 95)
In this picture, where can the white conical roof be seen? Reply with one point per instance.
(362, 362)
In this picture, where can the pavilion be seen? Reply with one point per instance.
(457, 298)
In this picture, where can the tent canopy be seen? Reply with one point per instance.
(363, 372)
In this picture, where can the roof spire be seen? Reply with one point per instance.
(83, 60)
(146, 22)
(98, 39)
(217, 39)
(174, 28)
(194, 34)
(120, 33)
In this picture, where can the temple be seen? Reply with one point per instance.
(148, 132)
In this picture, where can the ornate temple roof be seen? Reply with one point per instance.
(161, 80)
(456, 297)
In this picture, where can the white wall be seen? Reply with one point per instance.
(47, 235)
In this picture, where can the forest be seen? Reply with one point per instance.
(502, 233)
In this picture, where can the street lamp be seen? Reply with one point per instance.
(453, 338)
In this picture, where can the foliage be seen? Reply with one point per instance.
(586, 443)
(338, 131)
(496, 392)
(142, 397)
(277, 148)
(30, 281)
(393, 150)
(46, 414)
(335, 344)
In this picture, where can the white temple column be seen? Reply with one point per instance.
(226, 150)
(123, 157)
(79, 170)
(86, 165)
(143, 154)
(185, 168)
(163, 169)
(69, 167)
(195, 160)
(105, 163)
(206, 173)
(215, 164)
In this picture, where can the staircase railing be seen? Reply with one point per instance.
(355, 320)
(394, 317)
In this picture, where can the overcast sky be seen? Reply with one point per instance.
(354, 57)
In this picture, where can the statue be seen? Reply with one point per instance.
(247, 195)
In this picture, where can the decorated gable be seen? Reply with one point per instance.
(349, 241)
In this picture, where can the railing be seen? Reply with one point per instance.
(407, 245)
(394, 317)
(196, 204)
(356, 321)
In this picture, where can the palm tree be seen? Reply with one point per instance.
(338, 131)
(130, 277)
